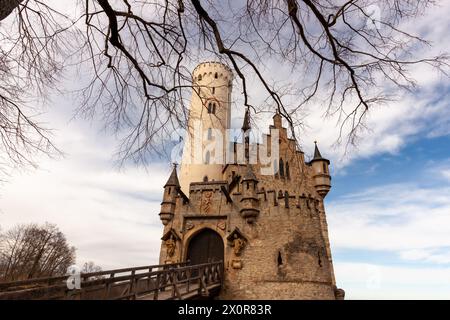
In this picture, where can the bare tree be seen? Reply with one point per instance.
(32, 251)
(142, 52)
(91, 267)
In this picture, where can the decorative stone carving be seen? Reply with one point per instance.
(170, 246)
(189, 225)
(236, 264)
(170, 239)
(238, 245)
(222, 224)
(206, 201)
(237, 241)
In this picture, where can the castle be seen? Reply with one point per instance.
(269, 229)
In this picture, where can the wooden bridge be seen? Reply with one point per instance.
(158, 282)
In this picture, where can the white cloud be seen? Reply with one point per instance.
(392, 217)
(377, 281)
(109, 215)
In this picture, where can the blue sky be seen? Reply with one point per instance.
(388, 210)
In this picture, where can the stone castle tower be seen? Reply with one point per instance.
(270, 229)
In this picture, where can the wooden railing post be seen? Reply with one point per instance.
(155, 293)
(108, 286)
(133, 285)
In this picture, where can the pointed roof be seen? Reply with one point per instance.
(317, 155)
(277, 120)
(246, 124)
(173, 179)
(249, 175)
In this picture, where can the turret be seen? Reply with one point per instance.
(277, 123)
(246, 131)
(209, 118)
(249, 201)
(322, 178)
(169, 198)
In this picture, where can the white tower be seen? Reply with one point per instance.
(209, 117)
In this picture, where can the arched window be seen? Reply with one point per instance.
(213, 90)
(200, 77)
(324, 167)
(207, 157)
(214, 108)
(209, 107)
(281, 168)
(288, 174)
(205, 179)
(209, 134)
(216, 75)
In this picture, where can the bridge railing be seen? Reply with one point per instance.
(182, 279)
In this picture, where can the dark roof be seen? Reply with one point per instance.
(173, 179)
(317, 155)
(246, 123)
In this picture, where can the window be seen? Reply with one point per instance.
(211, 108)
(213, 90)
(205, 179)
(216, 75)
(288, 175)
(281, 168)
(200, 77)
(207, 157)
(279, 259)
(209, 134)
(324, 167)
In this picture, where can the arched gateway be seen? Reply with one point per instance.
(205, 246)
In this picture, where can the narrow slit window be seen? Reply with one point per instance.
(281, 168)
(279, 259)
(209, 134)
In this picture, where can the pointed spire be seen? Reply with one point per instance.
(246, 124)
(317, 155)
(173, 179)
(277, 120)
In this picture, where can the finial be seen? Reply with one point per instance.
(174, 164)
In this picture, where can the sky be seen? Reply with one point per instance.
(388, 210)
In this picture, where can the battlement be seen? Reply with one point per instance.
(212, 70)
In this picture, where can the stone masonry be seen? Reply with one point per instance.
(273, 227)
